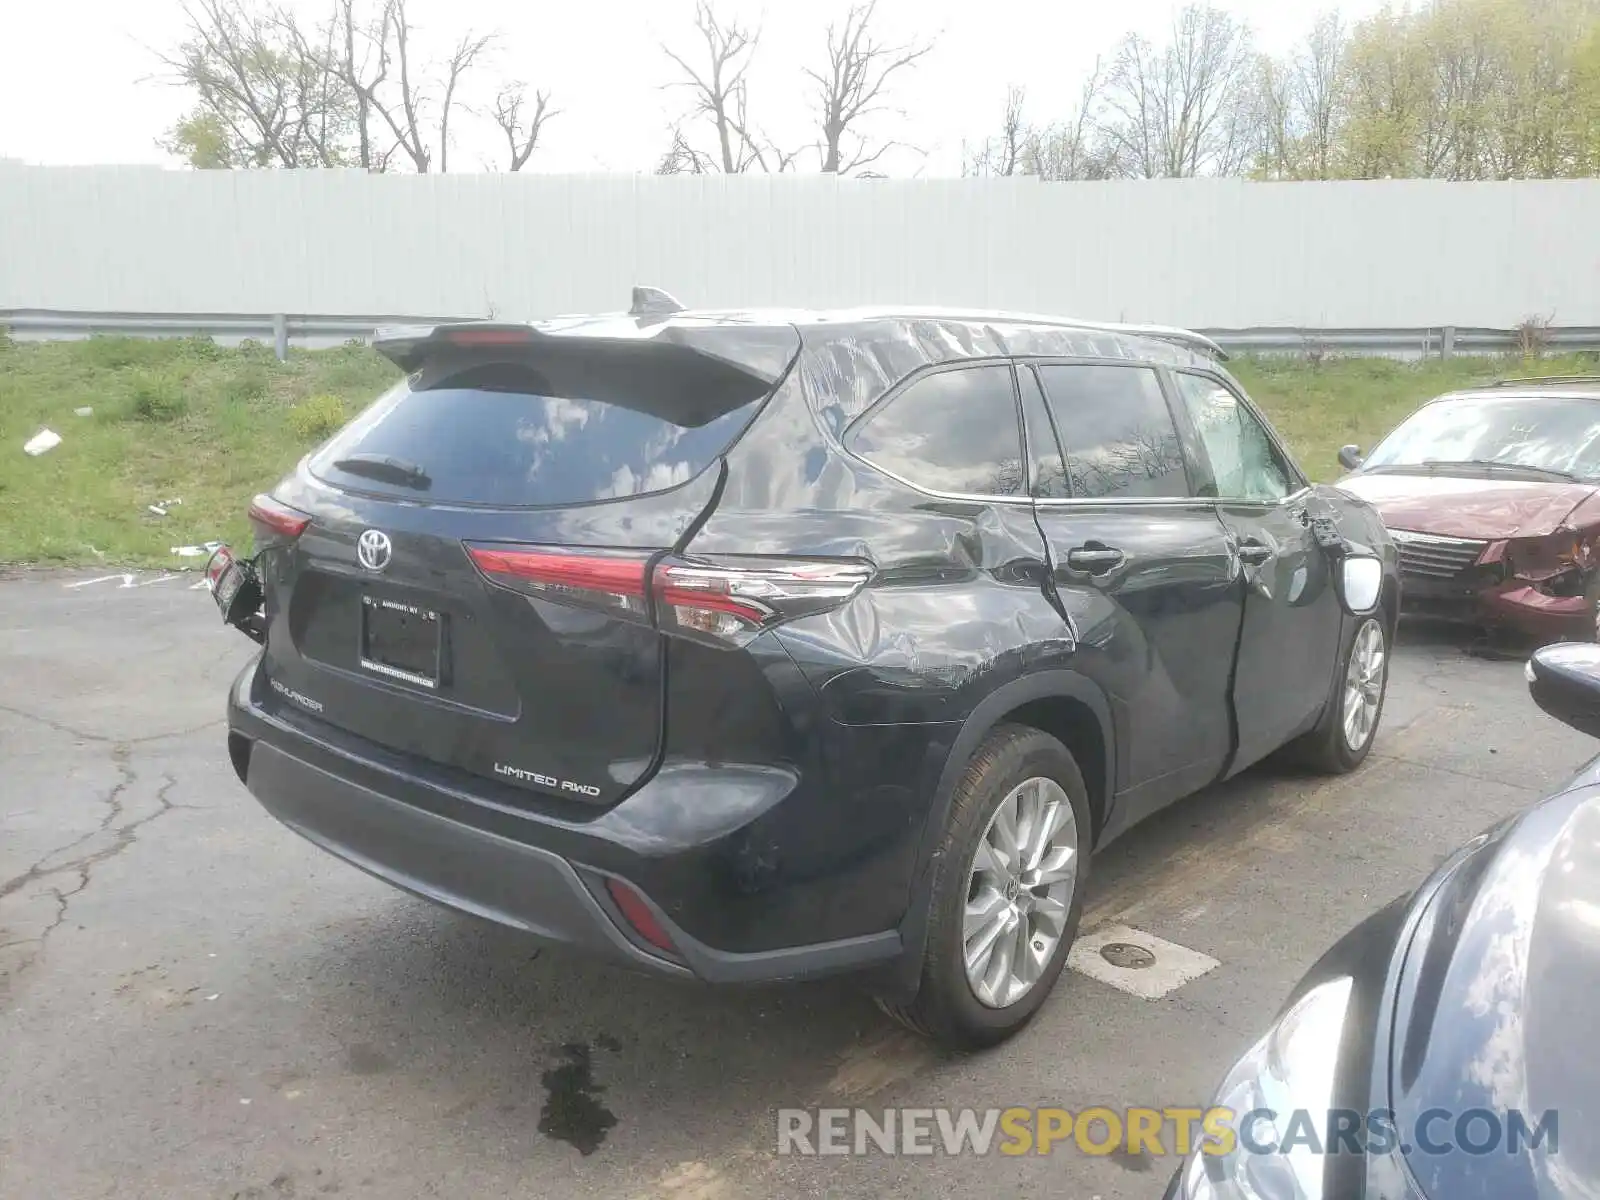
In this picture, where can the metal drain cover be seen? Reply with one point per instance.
(1127, 956)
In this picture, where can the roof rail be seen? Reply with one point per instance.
(1171, 333)
(1536, 380)
(1165, 333)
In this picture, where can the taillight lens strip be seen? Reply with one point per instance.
(590, 578)
(730, 601)
(725, 601)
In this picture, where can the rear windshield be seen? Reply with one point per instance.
(520, 434)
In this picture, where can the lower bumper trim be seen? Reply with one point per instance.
(467, 869)
(500, 879)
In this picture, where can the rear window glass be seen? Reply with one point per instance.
(498, 435)
(954, 432)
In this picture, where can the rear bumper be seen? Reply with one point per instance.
(529, 874)
(467, 869)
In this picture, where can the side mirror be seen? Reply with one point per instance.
(1350, 457)
(1564, 680)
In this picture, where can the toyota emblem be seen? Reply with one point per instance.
(373, 549)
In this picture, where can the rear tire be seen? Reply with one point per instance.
(1341, 741)
(1007, 892)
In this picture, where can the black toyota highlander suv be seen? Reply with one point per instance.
(740, 646)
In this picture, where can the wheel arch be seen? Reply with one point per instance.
(1064, 704)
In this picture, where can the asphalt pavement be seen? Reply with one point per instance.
(196, 1003)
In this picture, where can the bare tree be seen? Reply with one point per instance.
(1077, 147)
(522, 128)
(1067, 149)
(683, 159)
(1185, 108)
(715, 77)
(361, 61)
(407, 115)
(854, 85)
(1004, 153)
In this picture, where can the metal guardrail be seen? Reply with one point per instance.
(279, 330)
(1438, 342)
(284, 330)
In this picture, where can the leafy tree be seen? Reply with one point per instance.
(272, 91)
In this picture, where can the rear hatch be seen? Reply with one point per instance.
(460, 575)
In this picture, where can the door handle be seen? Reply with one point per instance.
(1094, 558)
(1253, 553)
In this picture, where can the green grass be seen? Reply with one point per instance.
(177, 418)
(187, 419)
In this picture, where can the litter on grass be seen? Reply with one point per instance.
(45, 439)
(195, 551)
(85, 411)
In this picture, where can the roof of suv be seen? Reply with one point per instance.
(850, 358)
(890, 319)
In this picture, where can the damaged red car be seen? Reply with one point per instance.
(1493, 497)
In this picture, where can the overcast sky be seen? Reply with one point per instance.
(80, 81)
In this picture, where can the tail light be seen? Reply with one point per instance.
(730, 601)
(273, 520)
(721, 601)
(588, 578)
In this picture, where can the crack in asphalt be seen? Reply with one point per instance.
(84, 735)
(113, 802)
(123, 836)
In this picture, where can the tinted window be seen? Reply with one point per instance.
(954, 431)
(1244, 462)
(493, 434)
(1551, 433)
(1117, 431)
(1047, 473)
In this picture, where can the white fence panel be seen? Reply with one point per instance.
(1213, 254)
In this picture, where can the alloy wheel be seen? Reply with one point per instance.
(1363, 684)
(1019, 891)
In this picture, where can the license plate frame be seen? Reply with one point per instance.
(409, 647)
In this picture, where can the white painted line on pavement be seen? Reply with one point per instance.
(131, 580)
(127, 581)
(1136, 962)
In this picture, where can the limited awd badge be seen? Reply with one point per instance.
(373, 549)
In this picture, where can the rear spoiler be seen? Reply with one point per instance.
(719, 355)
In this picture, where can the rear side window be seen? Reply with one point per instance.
(510, 434)
(1117, 432)
(952, 431)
